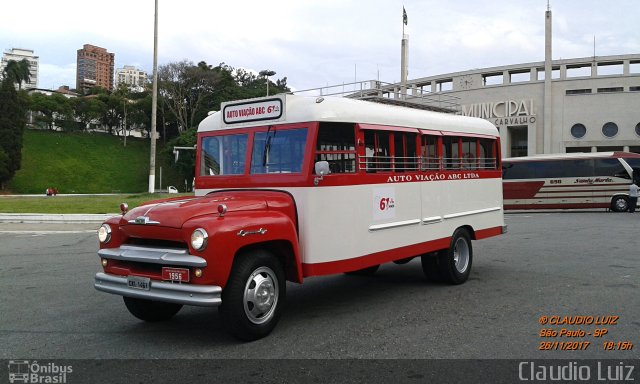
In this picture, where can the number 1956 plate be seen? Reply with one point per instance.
(137, 282)
(175, 274)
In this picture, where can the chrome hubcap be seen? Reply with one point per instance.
(261, 295)
(461, 255)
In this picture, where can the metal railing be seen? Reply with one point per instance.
(388, 93)
(392, 163)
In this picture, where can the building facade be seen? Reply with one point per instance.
(95, 68)
(593, 103)
(554, 106)
(18, 54)
(133, 78)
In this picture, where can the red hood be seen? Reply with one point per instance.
(174, 213)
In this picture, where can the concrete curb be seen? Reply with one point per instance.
(53, 218)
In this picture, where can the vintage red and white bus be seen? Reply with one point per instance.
(290, 187)
(570, 181)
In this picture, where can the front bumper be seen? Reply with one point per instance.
(188, 294)
(164, 256)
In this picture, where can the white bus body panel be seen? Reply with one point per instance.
(340, 223)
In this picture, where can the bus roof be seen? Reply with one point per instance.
(300, 109)
(568, 156)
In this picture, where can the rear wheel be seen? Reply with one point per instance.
(619, 204)
(151, 311)
(454, 264)
(254, 296)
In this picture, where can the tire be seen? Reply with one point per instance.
(619, 204)
(254, 296)
(431, 267)
(455, 263)
(151, 311)
(369, 271)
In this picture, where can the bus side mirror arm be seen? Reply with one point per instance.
(321, 168)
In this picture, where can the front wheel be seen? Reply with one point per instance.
(455, 262)
(254, 296)
(151, 311)
(619, 204)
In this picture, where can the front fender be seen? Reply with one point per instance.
(234, 232)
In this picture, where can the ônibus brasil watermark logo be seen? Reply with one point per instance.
(25, 371)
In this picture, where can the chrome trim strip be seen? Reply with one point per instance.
(469, 213)
(188, 294)
(432, 220)
(143, 220)
(396, 224)
(166, 256)
(243, 233)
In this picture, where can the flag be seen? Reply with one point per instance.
(404, 16)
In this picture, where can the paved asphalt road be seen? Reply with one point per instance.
(551, 264)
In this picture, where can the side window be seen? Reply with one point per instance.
(450, 152)
(519, 170)
(565, 168)
(278, 151)
(377, 156)
(634, 163)
(223, 155)
(488, 157)
(610, 167)
(404, 145)
(336, 144)
(430, 160)
(469, 153)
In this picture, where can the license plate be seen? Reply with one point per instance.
(137, 282)
(175, 274)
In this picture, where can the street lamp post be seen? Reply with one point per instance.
(154, 104)
(266, 73)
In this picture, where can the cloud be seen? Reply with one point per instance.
(53, 76)
(315, 42)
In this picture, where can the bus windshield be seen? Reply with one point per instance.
(274, 151)
(223, 155)
(278, 151)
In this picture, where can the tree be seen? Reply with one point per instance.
(140, 114)
(186, 164)
(50, 109)
(86, 109)
(112, 114)
(17, 72)
(5, 173)
(12, 124)
(185, 87)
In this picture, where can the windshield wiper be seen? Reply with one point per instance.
(267, 147)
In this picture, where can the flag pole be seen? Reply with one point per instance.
(404, 20)
(404, 57)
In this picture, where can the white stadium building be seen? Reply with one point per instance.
(589, 104)
(593, 103)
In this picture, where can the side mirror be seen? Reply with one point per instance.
(322, 168)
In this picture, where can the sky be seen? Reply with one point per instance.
(316, 43)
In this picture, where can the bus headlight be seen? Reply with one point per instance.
(199, 239)
(104, 233)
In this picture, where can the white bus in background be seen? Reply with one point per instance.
(289, 187)
(570, 181)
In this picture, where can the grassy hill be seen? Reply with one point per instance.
(87, 163)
